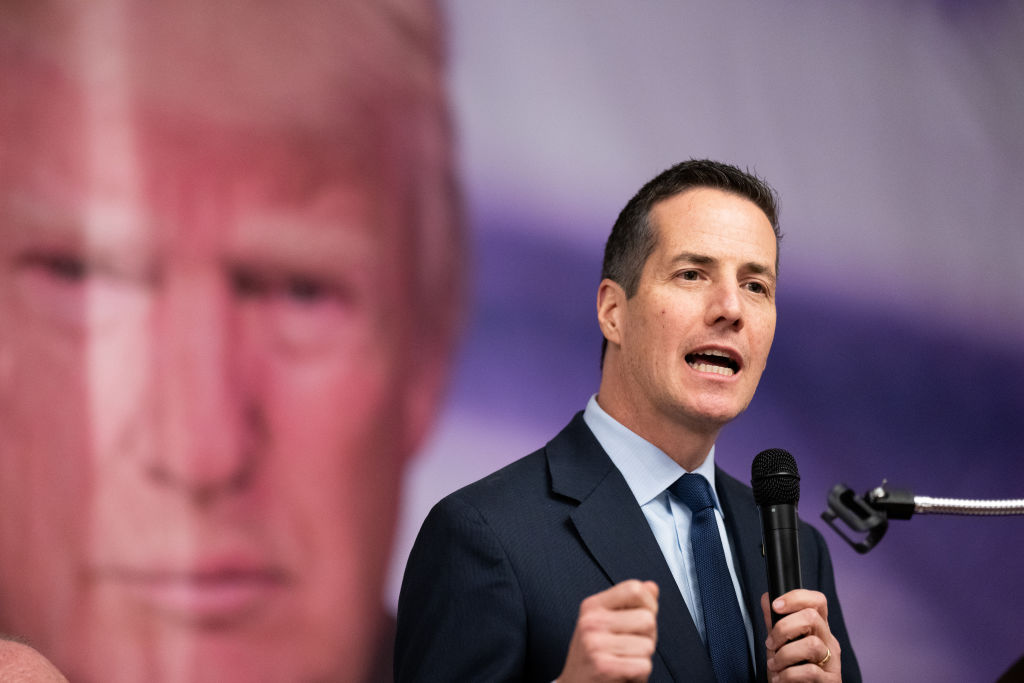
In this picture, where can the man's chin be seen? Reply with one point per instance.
(710, 417)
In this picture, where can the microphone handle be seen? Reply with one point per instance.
(779, 529)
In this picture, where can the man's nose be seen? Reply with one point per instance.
(206, 446)
(724, 306)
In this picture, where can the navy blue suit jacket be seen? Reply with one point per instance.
(496, 576)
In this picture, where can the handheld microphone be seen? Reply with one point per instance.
(776, 483)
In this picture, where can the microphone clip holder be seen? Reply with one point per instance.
(869, 515)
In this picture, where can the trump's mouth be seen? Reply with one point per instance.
(716, 361)
(211, 597)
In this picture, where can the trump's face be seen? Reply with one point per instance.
(208, 379)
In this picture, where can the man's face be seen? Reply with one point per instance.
(205, 381)
(696, 334)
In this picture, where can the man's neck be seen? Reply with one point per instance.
(688, 445)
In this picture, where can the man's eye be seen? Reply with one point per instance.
(689, 275)
(301, 289)
(248, 284)
(301, 313)
(80, 292)
(304, 289)
(66, 267)
(757, 288)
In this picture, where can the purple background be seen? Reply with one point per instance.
(894, 133)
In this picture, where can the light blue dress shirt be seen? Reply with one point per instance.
(649, 472)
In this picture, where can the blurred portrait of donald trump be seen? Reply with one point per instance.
(229, 288)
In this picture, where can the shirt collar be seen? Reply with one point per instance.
(647, 469)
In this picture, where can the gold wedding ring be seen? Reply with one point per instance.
(828, 656)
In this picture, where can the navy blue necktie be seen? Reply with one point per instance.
(723, 621)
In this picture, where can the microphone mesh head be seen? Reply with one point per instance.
(775, 478)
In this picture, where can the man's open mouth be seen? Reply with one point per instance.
(713, 360)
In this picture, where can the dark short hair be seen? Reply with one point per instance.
(633, 237)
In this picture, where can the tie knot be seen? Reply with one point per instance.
(694, 490)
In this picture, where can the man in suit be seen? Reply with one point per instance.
(591, 558)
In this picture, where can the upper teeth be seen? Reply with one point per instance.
(717, 369)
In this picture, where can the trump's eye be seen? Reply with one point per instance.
(301, 312)
(290, 288)
(75, 290)
(247, 284)
(66, 267)
(307, 290)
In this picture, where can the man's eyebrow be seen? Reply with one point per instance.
(689, 257)
(286, 243)
(692, 257)
(760, 269)
(111, 234)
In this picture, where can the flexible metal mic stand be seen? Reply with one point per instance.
(871, 513)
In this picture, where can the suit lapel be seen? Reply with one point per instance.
(743, 523)
(618, 537)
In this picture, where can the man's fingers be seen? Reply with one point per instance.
(615, 635)
(800, 645)
(799, 599)
(796, 625)
(639, 621)
(627, 607)
(611, 667)
(800, 624)
(619, 644)
(803, 612)
(631, 593)
(810, 649)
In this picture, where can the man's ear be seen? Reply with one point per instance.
(611, 305)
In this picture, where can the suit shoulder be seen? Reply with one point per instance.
(521, 479)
